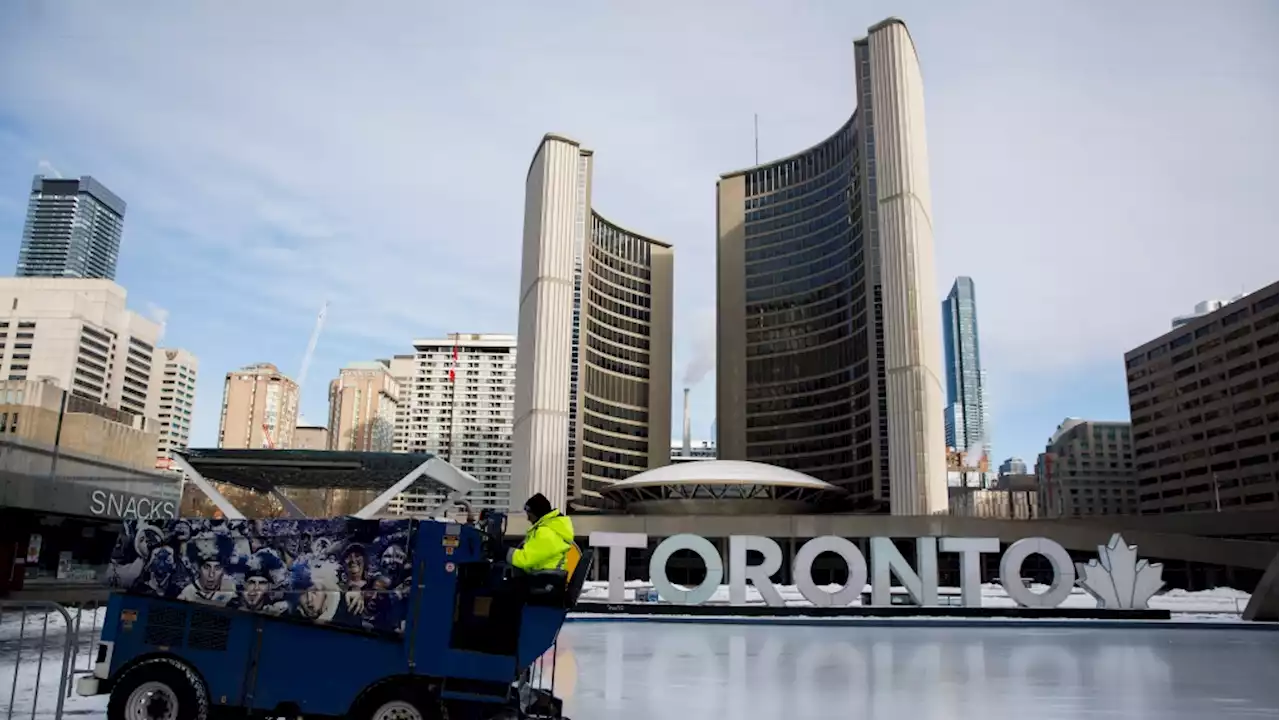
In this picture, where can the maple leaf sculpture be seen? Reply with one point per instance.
(1117, 579)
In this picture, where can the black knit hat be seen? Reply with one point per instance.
(538, 505)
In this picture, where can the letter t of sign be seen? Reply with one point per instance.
(617, 560)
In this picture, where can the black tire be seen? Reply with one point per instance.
(180, 681)
(426, 703)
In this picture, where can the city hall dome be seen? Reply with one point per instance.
(720, 487)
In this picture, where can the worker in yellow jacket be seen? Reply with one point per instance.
(548, 540)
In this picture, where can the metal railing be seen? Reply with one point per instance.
(44, 645)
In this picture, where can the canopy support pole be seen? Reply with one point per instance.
(229, 511)
(442, 472)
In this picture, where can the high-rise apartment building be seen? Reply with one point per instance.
(73, 230)
(593, 399)
(1087, 469)
(80, 334)
(259, 409)
(828, 357)
(965, 419)
(1203, 402)
(459, 406)
(172, 399)
(403, 369)
(362, 407)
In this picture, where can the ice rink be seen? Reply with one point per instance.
(641, 671)
(611, 670)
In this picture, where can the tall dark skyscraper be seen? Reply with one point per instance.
(827, 357)
(966, 412)
(73, 230)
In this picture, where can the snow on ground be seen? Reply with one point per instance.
(1182, 603)
(32, 644)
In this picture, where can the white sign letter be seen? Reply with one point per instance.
(658, 569)
(970, 550)
(98, 502)
(921, 584)
(740, 572)
(617, 560)
(1064, 573)
(802, 570)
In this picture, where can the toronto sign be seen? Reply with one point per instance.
(1117, 579)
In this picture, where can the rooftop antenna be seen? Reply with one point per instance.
(306, 358)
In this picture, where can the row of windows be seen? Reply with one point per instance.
(762, 243)
(813, 162)
(621, 294)
(620, 243)
(599, 317)
(617, 273)
(833, 195)
(803, 250)
(604, 409)
(621, 310)
(1233, 318)
(621, 368)
(620, 352)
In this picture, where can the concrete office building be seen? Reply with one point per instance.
(259, 409)
(1203, 402)
(73, 230)
(362, 407)
(80, 334)
(1087, 469)
(965, 418)
(459, 406)
(828, 347)
(172, 400)
(595, 340)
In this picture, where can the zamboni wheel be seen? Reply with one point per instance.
(159, 689)
(399, 702)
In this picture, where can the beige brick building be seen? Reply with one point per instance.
(259, 409)
(362, 407)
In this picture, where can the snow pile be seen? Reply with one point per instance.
(1217, 601)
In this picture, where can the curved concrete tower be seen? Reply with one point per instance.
(829, 357)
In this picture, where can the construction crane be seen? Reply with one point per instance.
(306, 358)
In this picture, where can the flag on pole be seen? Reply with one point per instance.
(453, 375)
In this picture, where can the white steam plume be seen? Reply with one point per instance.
(160, 316)
(703, 360)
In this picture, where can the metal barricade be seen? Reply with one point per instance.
(43, 646)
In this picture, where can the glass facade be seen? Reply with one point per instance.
(614, 355)
(814, 378)
(966, 412)
(73, 229)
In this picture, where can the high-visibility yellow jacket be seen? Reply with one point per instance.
(545, 544)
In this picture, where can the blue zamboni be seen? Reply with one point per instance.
(353, 617)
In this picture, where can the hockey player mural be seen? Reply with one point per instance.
(341, 571)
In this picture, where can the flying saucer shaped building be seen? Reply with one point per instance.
(721, 487)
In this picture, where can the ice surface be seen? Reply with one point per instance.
(646, 671)
(641, 671)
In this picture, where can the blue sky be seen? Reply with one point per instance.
(1097, 167)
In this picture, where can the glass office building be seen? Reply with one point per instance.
(966, 413)
(828, 357)
(73, 230)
